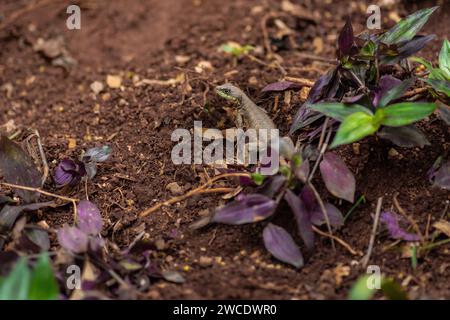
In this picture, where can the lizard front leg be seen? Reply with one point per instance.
(239, 119)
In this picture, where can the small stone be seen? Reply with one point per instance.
(356, 148)
(182, 59)
(205, 261)
(253, 80)
(203, 66)
(318, 45)
(97, 87)
(72, 143)
(174, 188)
(395, 154)
(160, 244)
(113, 81)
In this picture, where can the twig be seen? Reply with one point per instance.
(324, 211)
(199, 190)
(302, 81)
(414, 92)
(73, 200)
(447, 203)
(411, 220)
(265, 33)
(322, 150)
(338, 240)
(366, 258)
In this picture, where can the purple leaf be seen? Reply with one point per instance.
(353, 99)
(273, 186)
(442, 176)
(406, 136)
(69, 172)
(305, 115)
(309, 199)
(407, 49)
(346, 39)
(73, 239)
(18, 168)
(89, 218)
(394, 92)
(302, 217)
(281, 86)
(246, 209)
(385, 84)
(392, 222)
(39, 237)
(334, 214)
(96, 244)
(281, 245)
(338, 179)
(302, 172)
(9, 215)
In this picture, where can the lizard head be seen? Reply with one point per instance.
(229, 92)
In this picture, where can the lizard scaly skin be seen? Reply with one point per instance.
(254, 116)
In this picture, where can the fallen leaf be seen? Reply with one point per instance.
(18, 168)
(443, 226)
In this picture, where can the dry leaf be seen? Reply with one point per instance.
(443, 226)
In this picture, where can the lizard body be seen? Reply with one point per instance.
(247, 111)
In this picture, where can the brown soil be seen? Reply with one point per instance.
(142, 38)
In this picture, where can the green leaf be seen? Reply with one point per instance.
(401, 114)
(439, 85)
(360, 290)
(15, 286)
(426, 63)
(339, 111)
(258, 178)
(438, 74)
(236, 49)
(368, 49)
(43, 283)
(395, 92)
(407, 28)
(356, 126)
(392, 290)
(444, 58)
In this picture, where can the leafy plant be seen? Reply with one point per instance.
(84, 236)
(358, 77)
(69, 172)
(361, 290)
(235, 49)
(291, 184)
(439, 78)
(24, 283)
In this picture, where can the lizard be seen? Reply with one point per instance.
(247, 111)
(252, 115)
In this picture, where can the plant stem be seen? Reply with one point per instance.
(325, 213)
(366, 258)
